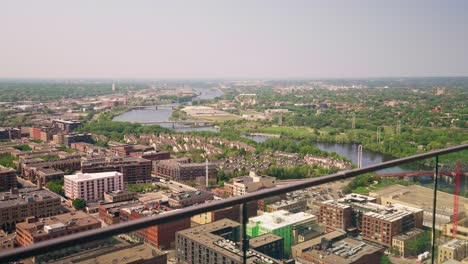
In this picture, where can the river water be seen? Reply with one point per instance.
(164, 112)
(349, 151)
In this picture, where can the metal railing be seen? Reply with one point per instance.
(116, 229)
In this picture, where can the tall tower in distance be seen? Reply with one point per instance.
(114, 87)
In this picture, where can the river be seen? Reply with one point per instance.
(164, 112)
(349, 151)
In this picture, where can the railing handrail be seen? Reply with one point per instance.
(145, 222)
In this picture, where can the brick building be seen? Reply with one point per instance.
(48, 174)
(62, 161)
(233, 213)
(134, 170)
(7, 178)
(66, 125)
(124, 150)
(218, 242)
(161, 236)
(335, 214)
(153, 155)
(119, 196)
(183, 170)
(185, 199)
(68, 139)
(32, 230)
(9, 133)
(16, 205)
(347, 250)
(381, 226)
(7, 241)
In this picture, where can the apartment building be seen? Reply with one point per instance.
(380, 226)
(34, 230)
(161, 236)
(400, 242)
(7, 241)
(183, 170)
(92, 186)
(335, 214)
(249, 183)
(134, 170)
(7, 178)
(9, 133)
(48, 174)
(66, 125)
(68, 139)
(218, 242)
(17, 205)
(294, 205)
(455, 249)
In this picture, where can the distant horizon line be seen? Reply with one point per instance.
(228, 78)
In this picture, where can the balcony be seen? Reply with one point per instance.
(420, 187)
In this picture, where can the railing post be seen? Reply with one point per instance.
(434, 205)
(245, 240)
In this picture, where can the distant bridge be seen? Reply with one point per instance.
(192, 123)
(153, 107)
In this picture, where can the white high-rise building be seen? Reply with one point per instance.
(91, 186)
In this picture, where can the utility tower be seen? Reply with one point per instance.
(379, 135)
(398, 127)
(359, 156)
(353, 125)
(280, 119)
(206, 172)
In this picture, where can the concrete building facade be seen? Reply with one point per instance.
(92, 186)
(249, 183)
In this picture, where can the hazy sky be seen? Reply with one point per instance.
(233, 39)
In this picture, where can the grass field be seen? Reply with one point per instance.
(220, 118)
(294, 132)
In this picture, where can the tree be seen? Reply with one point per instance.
(385, 260)
(56, 187)
(79, 204)
(420, 244)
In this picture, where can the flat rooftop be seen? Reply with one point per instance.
(263, 240)
(80, 177)
(455, 243)
(133, 254)
(68, 220)
(204, 234)
(280, 219)
(6, 169)
(344, 251)
(336, 204)
(409, 235)
(421, 197)
(306, 245)
(25, 196)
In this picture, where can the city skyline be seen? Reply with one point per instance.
(233, 40)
